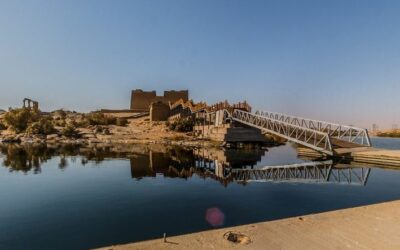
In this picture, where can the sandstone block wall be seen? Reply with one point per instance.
(173, 95)
(141, 100)
(159, 111)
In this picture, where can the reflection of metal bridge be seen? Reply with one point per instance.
(309, 172)
(318, 135)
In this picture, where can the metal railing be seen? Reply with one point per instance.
(311, 138)
(342, 132)
(212, 118)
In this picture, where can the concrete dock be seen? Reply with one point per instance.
(367, 227)
(368, 155)
(376, 156)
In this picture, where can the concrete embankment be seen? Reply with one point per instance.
(368, 155)
(367, 227)
(379, 157)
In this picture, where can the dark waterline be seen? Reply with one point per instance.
(74, 199)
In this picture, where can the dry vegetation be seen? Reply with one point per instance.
(29, 122)
(181, 125)
(25, 125)
(390, 133)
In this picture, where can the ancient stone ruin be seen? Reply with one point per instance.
(175, 105)
(159, 111)
(141, 100)
(209, 119)
(30, 104)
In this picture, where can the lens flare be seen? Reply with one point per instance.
(215, 217)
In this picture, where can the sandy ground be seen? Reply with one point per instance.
(368, 227)
(138, 130)
(375, 133)
(142, 129)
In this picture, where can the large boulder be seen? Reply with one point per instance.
(88, 136)
(52, 137)
(11, 138)
(94, 141)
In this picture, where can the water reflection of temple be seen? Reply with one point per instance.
(232, 165)
(178, 162)
(233, 158)
(222, 165)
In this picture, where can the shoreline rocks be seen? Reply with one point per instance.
(90, 138)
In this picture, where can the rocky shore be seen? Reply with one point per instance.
(78, 129)
(93, 138)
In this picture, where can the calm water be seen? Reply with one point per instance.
(69, 198)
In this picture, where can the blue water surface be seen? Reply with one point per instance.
(83, 204)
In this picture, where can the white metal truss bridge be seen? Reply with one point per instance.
(318, 135)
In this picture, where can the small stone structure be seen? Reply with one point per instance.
(141, 100)
(159, 111)
(30, 104)
(230, 107)
(211, 121)
(214, 123)
(182, 109)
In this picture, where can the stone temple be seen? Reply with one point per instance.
(141, 100)
(208, 120)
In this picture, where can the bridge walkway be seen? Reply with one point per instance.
(321, 136)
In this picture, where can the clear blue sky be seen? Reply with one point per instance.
(331, 60)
